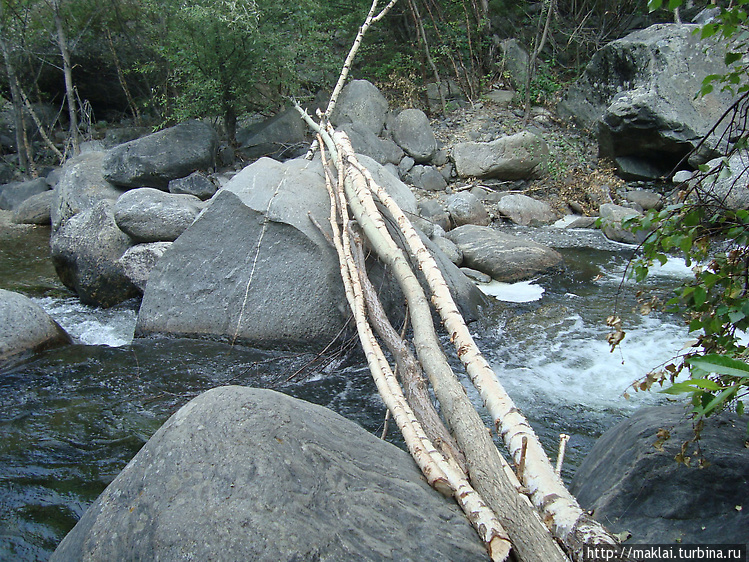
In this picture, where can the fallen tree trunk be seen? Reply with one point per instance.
(443, 474)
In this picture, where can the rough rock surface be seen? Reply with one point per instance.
(282, 136)
(611, 223)
(86, 251)
(361, 102)
(81, 186)
(195, 184)
(25, 326)
(526, 211)
(13, 194)
(634, 487)
(519, 156)
(502, 256)
(152, 215)
(413, 133)
(36, 209)
(138, 261)
(223, 479)
(364, 141)
(154, 160)
(638, 93)
(466, 208)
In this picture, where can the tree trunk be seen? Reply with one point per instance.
(68, 73)
(23, 157)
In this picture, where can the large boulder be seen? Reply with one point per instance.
(26, 327)
(283, 136)
(253, 266)
(638, 93)
(36, 209)
(196, 184)
(632, 483)
(466, 208)
(724, 185)
(412, 131)
(526, 211)
(361, 102)
(81, 186)
(248, 474)
(502, 256)
(152, 215)
(154, 160)
(519, 156)
(364, 141)
(138, 261)
(15, 193)
(86, 251)
(612, 217)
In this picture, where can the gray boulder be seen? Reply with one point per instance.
(223, 480)
(36, 209)
(611, 217)
(638, 94)
(283, 136)
(390, 182)
(196, 184)
(26, 327)
(526, 211)
(519, 156)
(364, 141)
(433, 211)
(138, 261)
(449, 90)
(152, 215)
(502, 256)
(154, 160)
(632, 486)
(728, 186)
(361, 102)
(412, 131)
(86, 251)
(81, 186)
(15, 193)
(466, 208)
(646, 199)
(427, 178)
(253, 266)
(449, 249)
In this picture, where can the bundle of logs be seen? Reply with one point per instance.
(525, 512)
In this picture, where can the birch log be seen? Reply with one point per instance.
(440, 473)
(569, 522)
(530, 537)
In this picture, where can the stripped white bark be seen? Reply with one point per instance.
(530, 537)
(440, 473)
(569, 522)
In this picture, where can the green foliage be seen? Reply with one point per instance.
(713, 238)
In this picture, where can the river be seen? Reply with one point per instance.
(71, 418)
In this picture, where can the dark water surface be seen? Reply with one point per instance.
(71, 418)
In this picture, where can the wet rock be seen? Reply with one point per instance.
(502, 256)
(26, 327)
(222, 479)
(86, 251)
(633, 487)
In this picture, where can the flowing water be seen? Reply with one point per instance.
(71, 418)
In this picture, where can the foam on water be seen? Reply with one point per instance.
(89, 325)
(523, 291)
